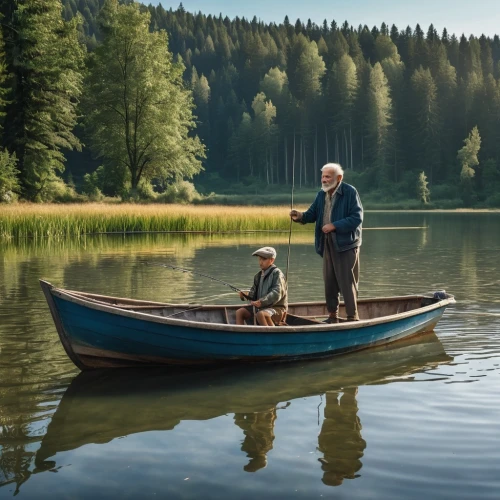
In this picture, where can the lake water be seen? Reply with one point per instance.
(418, 419)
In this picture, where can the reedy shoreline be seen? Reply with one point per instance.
(37, 221)
(74, 220)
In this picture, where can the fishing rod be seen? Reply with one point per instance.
(182, 270)
(291, 208)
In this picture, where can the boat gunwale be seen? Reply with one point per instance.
(84, 301)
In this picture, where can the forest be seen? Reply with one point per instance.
(119, 99)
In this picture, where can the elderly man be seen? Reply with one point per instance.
(338, 214)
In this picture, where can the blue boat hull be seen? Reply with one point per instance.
(99, 336)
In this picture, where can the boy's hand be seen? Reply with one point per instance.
(256, 303)
(295, 215)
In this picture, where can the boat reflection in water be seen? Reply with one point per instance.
(100, 406)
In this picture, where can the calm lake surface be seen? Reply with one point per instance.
(418, 419)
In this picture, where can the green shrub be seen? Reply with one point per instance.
(145, 191)
(180, 192)
(92, 185)
(57, 191)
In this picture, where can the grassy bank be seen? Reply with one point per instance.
(39, 221)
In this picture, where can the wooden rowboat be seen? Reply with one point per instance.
(100, 331)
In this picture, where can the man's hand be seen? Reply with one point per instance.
(295, 215)
(256, 303)
(328, 228)
(243, 296)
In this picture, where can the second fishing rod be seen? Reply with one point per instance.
(188, 271)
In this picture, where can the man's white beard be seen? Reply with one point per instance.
(327, 187)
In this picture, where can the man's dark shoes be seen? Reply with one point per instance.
(336, 319)
(332, 319)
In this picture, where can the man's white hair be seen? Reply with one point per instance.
(338, 170)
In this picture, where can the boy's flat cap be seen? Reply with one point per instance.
(266, 252)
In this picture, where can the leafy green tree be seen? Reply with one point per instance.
(467, 157)
(422, 188)
(46, 62)
(138, 112)
(274, 84)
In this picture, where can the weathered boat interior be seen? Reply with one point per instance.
(303, 313)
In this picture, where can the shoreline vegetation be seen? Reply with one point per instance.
(28, 220)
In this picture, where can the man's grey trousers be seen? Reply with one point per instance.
(341, 275)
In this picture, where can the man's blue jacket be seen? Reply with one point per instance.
(346, 216)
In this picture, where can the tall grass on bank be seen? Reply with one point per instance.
(61, 221)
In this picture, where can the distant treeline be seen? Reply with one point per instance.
(403, 110)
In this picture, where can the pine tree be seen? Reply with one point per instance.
(341, 94)
(427, 129)
(4, 77)
(308, 72)
(379, 118)
(263, 130)
(46, 61)
(201, 95)
(9, 182)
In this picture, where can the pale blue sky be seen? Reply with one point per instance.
(459, 16)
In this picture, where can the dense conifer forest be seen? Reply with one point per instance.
(410, 113)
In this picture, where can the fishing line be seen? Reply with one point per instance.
(182, 270)
(291, 208)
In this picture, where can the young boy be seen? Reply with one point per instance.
(268, 294)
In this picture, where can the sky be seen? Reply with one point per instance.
(458, 16)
